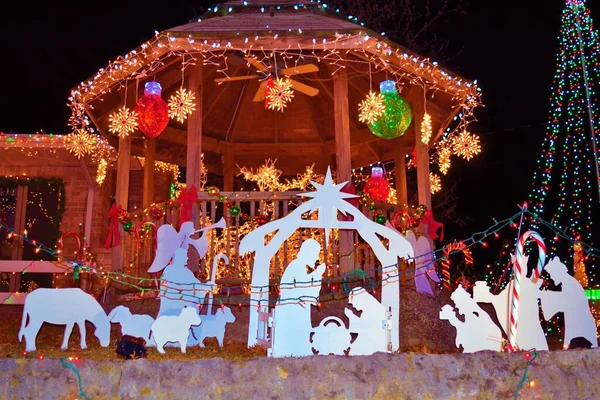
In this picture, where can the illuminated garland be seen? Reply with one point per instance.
(426, 129)
(565, 177)
(267, 177)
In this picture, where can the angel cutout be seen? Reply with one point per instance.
(170, 240)
(572, 301)
(530, 334)
(478, 331)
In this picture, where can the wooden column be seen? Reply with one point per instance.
(416, 101)
(343, 157)
(89, 206)
(401, 188)
(122, 192)
(228, 169)
(194, 149)
(19, 228)
(149, 161)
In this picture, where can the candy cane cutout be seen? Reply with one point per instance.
(142, 225)
(456, 246)
(517, 270)
(61, 242)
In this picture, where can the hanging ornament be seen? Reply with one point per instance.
(377, 187)
(435, 183)
(182, 104)
(101, 171)
(380, 219)
(123, 122)
(82, 142)
(466, 145)
(278, 95)
(235, 210)
(153, 111)
(444, 159)
(397, 115)
(127, 226)
(371, 108)
(213, 191)
(426, 129)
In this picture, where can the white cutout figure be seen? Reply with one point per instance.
(328, 201)
(572, 301)
(478, 332)
(370, 326)
(299, 289)
(175, 329)
(212, 326)
(331, 337)
(180, 287)
(63, 307)
(530, 334)
(136, 325)
(169, 240)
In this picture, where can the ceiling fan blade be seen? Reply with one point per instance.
(301, 87)
(300, 69)
(260, 93)
(257, 64)
(236, 78)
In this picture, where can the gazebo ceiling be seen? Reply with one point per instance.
(302, 134)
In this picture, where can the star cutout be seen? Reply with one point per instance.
(329, 199)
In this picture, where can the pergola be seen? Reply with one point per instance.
(241, 39)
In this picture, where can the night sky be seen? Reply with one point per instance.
(509, 49)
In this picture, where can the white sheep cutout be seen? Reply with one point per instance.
(212, 326)
(136, 325)
(174, 328)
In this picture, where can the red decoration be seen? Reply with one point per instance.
(377, 187)
(113, 229)
(432, 226)
(350, 189)
(153, 111)
(270, 84)
(186, 199)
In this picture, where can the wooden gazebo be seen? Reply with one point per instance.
(217, 56)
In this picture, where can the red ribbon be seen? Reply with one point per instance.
(113, 228)
(186, 199)
(432, 226)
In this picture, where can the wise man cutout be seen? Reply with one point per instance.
(370, 325)
(478, 331)
(530, 334)
(572, 301)
(180, 287)
(299, 289)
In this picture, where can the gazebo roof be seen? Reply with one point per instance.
(277, 35)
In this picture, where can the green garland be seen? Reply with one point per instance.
(14, 182)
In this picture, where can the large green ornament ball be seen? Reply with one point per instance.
(380, 219)
(127, 226)
(397, 116)
(234, 210)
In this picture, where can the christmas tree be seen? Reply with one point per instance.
(566, 183)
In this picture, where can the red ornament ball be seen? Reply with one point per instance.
(153, 111)
(377, 187)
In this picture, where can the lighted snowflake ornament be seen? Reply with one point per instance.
(444, 159)
(82, 142)
(435, 183)
(123, 122)
(182, 104)
(371, 108)
(466, 145)
(279, 94)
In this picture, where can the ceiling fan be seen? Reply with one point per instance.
(264, 72)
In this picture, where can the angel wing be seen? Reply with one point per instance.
(167, 239)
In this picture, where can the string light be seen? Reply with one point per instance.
(279, 94)
(371, 108)
(267, 178)
(123, 122)
(165, 167)
(466, 145)
(182, 104)
(435, 183)
(426, 129)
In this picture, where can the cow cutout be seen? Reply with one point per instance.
(63, 307)
(570, 300)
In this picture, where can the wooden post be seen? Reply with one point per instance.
(416, 100)
(343, 157)
(17, 250)
(149, 161)
(194, 149)
(228, 169)
(122, 192)
(89, 205)
(401, 188)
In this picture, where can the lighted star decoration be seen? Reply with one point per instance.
(101, 171)
(371, 108)
(426, 129)
(435, 183)
(279, 94)
(444, 159)
(82, 142)
(466, 145)
(329, 199)
(182, 104)
(123, 122)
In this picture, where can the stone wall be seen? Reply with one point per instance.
(486, 375)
